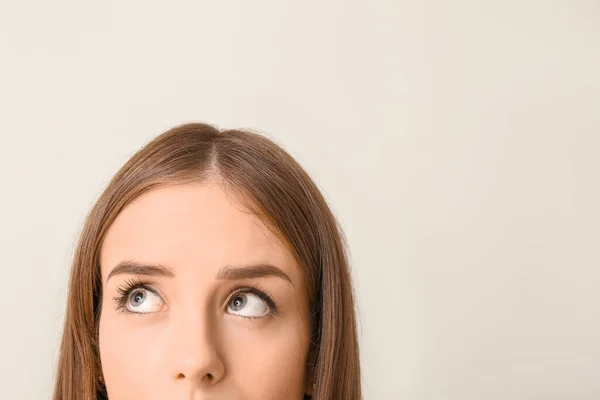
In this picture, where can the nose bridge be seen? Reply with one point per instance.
(195, 350)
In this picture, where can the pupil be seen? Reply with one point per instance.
(238, 302)
(139, 296)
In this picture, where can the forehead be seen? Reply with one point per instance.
(192, 228)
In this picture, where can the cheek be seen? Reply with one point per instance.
(126, 359)
(276, 355)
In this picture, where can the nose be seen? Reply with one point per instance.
(195, 352)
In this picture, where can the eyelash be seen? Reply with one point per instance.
(132, 284)
(124, 291)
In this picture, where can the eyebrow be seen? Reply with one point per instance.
(226, 273)
(251, 271)
(137, 268)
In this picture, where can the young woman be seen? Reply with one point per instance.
(211, 267)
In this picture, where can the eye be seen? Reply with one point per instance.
(142, 300)
(137, 298)
(248, 305)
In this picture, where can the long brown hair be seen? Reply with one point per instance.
(282, 195)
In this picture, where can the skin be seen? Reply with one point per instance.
(191, 339)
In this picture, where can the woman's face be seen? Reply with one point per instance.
(200, 301)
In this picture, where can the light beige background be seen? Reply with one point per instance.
(457, 141)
